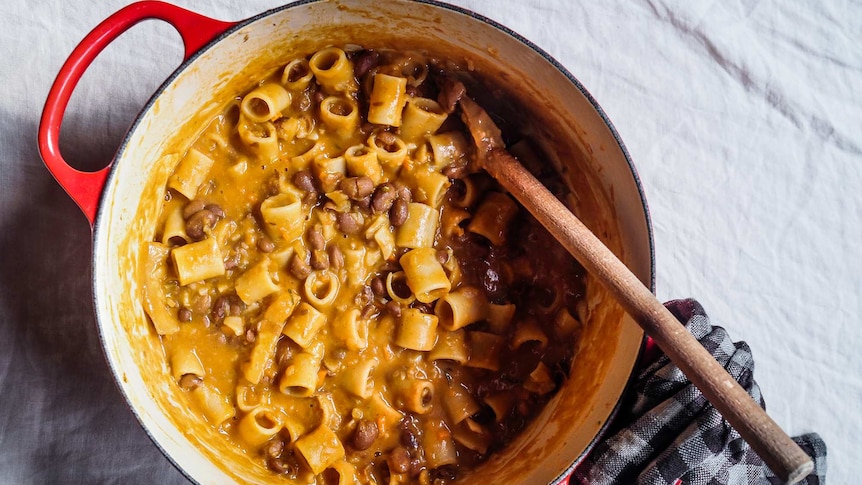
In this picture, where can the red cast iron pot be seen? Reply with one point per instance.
(222, 59)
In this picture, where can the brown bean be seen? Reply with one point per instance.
(336, 258)
(194, 206)
(456, 170)
(278, 465)
(250, 335)
(404, 193)
(200, 222)
(398, 212)
(304, 181)
(386, 138)
(265, 244)
(298, 267)
(364, 62)
(274, 448)
(364, 435)
(383, 197)
(319, 259)
(190, 382)
(315, 238)
(216, 210)
(283, 352)
(184, 315)
(394, 308)
(349, 222)
(410, 432)
(357, 187)
(378, 285)
(399, 460)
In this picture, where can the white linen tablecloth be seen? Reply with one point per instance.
(744, 119)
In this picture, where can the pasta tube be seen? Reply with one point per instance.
(417, 330)
(462, 307)
(190, 173)
(198, 261)
(320, 449)
(333, 71)
(265, 103)
(425, 276)
(387, 100)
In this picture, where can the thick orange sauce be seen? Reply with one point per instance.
(423, 415)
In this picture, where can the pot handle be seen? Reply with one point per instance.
(85, 188)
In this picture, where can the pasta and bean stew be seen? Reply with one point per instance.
(339, 295)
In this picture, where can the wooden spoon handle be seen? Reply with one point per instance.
(783, 456)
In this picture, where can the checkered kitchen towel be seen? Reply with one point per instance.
(669, 433)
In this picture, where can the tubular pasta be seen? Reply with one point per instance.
(296, 75)
(198, 261)
(265, 103)
(425, 275)
(501, 403)
(190, 173)
(362, 161)
(438, 444)
(416, 395)
(451, 346)
(448, 148)
(358, 379)
(345, 473)
(485, 350)
(175, 226)
(247, 398)
(461, 307)
(472, 435)
(459, 403)
(216, 408)
(184, 361)
(333, 71)
(528, 330)
(321, 288)
(283, 217)
(397, 289)
(267, 337)
(416, 330)
(493, 217)
(387, 100)
(386, 416)
(540, 381)
(153, 294)
(261, 139)
(340, 115)
(421, 117)
(329, 171)
(300, 376)
(351, 330)
(259, 425)
(420, 227)
(500, 316)
(431, 187)
(320, 449)
(256, 282)
(304, 324)
(564, 323)
(390, 154)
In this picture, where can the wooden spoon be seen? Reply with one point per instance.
(783, 456)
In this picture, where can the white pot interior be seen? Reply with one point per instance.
(610, 202)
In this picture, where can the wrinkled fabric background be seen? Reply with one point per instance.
(744, 119)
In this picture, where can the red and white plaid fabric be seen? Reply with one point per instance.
(668, 433)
